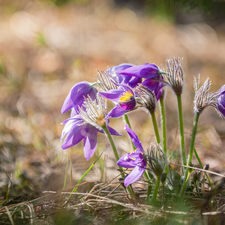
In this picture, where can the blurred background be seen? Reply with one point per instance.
(47, 46)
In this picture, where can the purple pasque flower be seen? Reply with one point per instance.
(221, 101)
(131, 81)
(152, 76)
(124, 98)
(75, 98)
(147, 71)
(85, 126)
(134, 160)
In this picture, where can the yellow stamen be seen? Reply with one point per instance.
(127, 96)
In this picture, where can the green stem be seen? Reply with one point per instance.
(191, 150)
(199, 161)
(155, 126)
(112, 144)
(163, 119)
(156, 190)
(71, 170)
(180, 113)
(67, 165)
(128, 123)
(75, 189)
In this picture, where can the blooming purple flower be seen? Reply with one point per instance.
(151, 74)
(124, 97)
(134, 160)
(146, 70)
(85, 126)
(75, 98)
(221, 100)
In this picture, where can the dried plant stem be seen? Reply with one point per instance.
(155, 126)
(180, 113)
(163, 121)
(191, 150)
(156, 190)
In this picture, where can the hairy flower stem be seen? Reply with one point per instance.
(104, 127)
(163, 120)
(180, 113)
(155, 126)
(112, 144)
(156, 190)
(191, 150)
(128, 123)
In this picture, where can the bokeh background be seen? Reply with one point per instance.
(47, 46)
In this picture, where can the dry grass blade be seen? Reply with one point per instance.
(9, 214)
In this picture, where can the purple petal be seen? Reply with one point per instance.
(134, 81)
(134, 138)
(221, 100)
(130, 160)
(90, 143)
(117, 111)
(113, 132)
(122, 66)
(113, 95)
(142, 71)
(134, 175)
(154, 86)
(76, 95)
(128, 105)
(73, 136)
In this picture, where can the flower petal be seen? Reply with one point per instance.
(113, 132)
(130, 160)
(90, 143)
(113, 95)
(73, 136)
(134, 175)
(142, 71)
(155, 86)
(76, 95)
(117, 111)
(134, 138)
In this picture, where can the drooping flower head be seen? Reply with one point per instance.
(175, 74)
(156, 159)
(85, 125)
(204, 98)
(133, 160)
(77, 95)
(147, 98)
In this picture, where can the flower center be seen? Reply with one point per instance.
(126, 97)
(100, 121)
